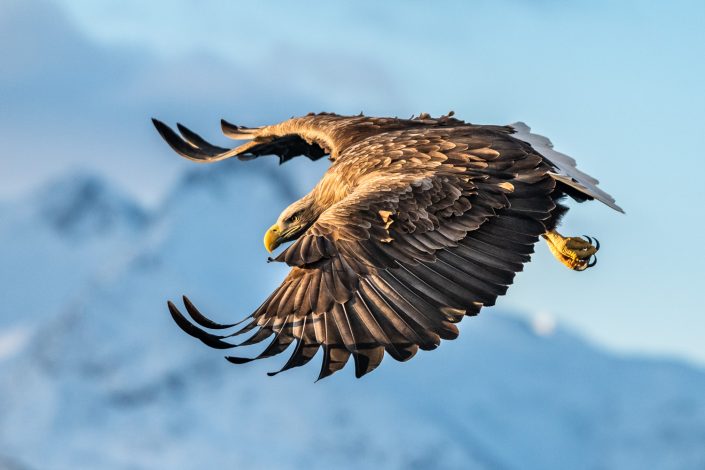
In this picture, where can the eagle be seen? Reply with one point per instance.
(416, 224)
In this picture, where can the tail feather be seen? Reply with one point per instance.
(566, 167)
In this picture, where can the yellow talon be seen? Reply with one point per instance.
(573, 252)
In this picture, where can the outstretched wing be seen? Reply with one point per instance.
(437, 232)
(196, 148)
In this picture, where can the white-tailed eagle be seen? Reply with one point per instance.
(417, 223)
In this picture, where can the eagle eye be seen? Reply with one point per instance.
(294, 217)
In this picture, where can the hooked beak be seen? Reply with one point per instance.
(272, 238)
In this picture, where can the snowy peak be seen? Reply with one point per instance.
(84, 205)
(97, 357)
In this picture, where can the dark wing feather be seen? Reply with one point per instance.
(194, 147)
(393, 266)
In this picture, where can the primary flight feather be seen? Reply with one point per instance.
(417, 223)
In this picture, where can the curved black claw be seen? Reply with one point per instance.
(592, 262)
(593, 241)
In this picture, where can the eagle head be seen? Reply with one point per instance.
(292, 223)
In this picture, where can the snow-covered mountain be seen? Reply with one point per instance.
(58, 241)
(83, 206)
(103, 379)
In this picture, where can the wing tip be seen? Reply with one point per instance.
(236, 132)
(161, 127)
(238, 360)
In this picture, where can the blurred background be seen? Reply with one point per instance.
(101, 223)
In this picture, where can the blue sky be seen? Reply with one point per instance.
(617, 85)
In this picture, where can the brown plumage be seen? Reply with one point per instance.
(417, 223)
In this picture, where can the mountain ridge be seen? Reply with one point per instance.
(109, 372)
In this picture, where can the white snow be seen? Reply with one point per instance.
(544, 324)
(104, 379)
(12, 341)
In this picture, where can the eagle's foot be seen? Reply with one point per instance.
(576, 253)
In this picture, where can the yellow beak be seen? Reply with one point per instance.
(271, 238)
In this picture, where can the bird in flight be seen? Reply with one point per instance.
(417, 223)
